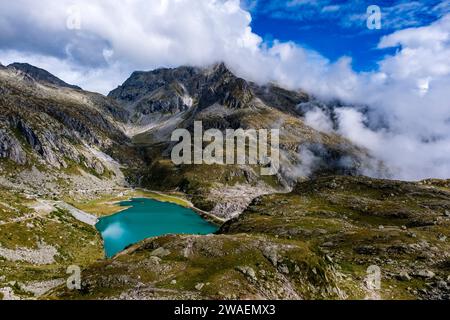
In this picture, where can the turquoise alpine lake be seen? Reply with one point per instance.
(146, 218)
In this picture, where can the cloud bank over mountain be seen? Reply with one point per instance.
(96, 44)
(86, 43)
(409, 104)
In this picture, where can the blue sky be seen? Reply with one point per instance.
(338, 28)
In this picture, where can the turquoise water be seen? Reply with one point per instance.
(148, 218)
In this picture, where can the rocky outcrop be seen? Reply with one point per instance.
(141, 84)
(30, 136)
(284, 100)
(173, 90)
(223, 87)
(44, 254)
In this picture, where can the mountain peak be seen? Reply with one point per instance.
(142, 83)
(221, 69)
(41, 75)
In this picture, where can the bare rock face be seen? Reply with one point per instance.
(41, 75)
(141, 84)
(224, 88)
(11, 148)
(174, 90)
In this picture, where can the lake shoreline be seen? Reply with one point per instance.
(204, 214)
(147, 218)
(107, 204)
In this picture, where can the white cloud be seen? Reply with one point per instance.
(116, 39)
(331, 8)
(318, 120)
(136, 34)
(410, 95)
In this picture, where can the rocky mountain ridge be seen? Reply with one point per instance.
(39, 74)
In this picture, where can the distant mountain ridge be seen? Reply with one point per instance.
(41, 75)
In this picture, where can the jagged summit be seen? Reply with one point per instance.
(175, 90)
(41, 75)
(157, 95)
(143, 83)
(220, 69)
(179, 89)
